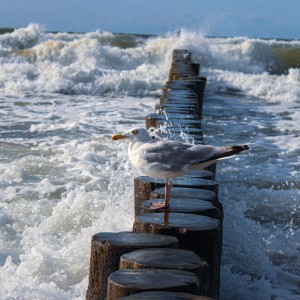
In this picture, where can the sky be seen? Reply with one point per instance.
(252, 18)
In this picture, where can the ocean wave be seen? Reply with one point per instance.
(271, 88)
(34, 61)
(21, 38)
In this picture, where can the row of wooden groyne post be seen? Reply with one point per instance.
(173, 253)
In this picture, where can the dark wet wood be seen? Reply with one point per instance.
(155, 120)
(174, 85)
(212, 168)
(181, 116)
(179, 101)
(175, 222)
(180, 93)
(179, 98)
(198, 207)
(188, 80)
(199, 86)
(176, 259)
(200, 234)
(176, 108)
(196, 68)
(144, 185)
(127, 282)
(106, 249)
(165, 296)
(186, 193)
(190, 107)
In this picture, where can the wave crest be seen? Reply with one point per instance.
(96, 63)
(21, 38)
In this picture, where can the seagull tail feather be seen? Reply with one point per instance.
(221, 153)
(229, 151)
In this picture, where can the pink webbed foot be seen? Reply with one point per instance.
(157, 205)
(166, 203)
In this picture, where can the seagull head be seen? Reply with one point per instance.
(135, 134)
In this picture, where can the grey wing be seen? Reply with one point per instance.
(175, 155)
(210, 154)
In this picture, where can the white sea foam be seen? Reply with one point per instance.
(61, 190)
(91, 64)
(21, 38)
(273, 88)
(83, 64)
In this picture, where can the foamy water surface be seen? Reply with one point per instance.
(62, 179)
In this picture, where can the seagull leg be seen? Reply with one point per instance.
(167, 192)
(166, 202)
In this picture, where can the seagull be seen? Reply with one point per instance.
(168, 159)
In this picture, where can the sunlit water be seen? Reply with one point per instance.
(62, 179)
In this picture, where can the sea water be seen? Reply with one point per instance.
(62, 179)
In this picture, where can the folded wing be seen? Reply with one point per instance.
(175, 155)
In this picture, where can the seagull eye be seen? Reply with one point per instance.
(134, 131)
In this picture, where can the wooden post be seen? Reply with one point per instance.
(199, 86)
(106, 249)
(184, 205)
(175, 259)
(156, 120)
(186, 193)
(197, 233)
(144, 185)
(182, 95)
(165, 296)
(191, 194)
(196, 68)
(179, 84)
(127, 282)
(176, 108)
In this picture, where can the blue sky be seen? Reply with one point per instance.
(253, 18)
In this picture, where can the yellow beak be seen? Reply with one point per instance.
(118, 137)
